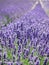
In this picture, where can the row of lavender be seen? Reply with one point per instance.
(32, 35)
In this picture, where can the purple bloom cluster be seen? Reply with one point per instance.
(31, 31)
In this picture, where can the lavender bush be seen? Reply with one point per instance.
(26, 42)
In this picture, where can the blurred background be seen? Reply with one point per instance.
(11, 9)
(45, 5)
(14, 9)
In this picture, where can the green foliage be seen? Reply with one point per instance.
(48, 63)
(41, 60)
(8, 19)
(9, 54)
(25, 61)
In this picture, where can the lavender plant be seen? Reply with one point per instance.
(27, 40)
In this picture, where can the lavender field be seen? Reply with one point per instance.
(11, 10)
(24, 38)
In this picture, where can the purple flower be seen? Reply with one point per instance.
(26, 52)
(45, 61)
(9, 63)
(18, 34)
(37, 62)
(48, 36)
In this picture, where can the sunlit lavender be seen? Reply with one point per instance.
(25, 41)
